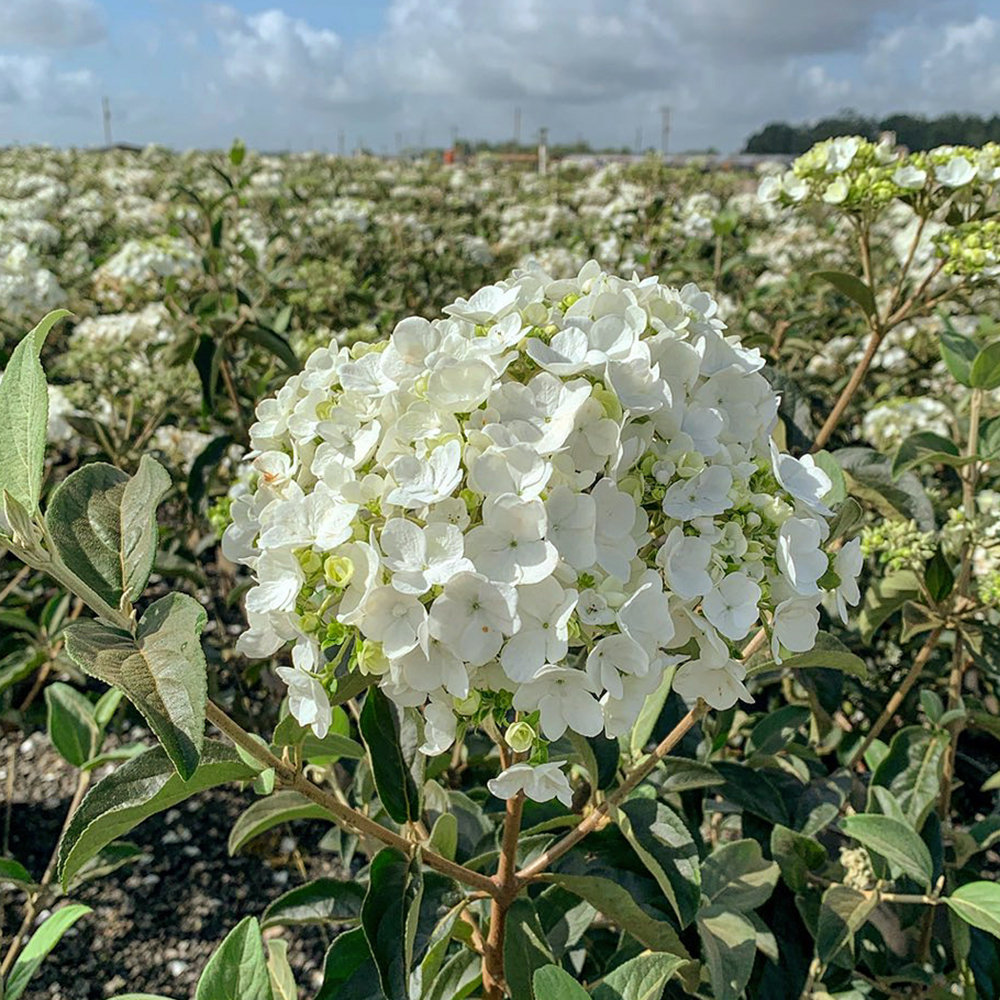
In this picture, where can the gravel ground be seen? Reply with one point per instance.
(156, 921)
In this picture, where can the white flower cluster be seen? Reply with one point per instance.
(27, 289)
(856, 172)
(537, 504)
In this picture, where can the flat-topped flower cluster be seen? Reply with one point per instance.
(533, 508)
(862, 175)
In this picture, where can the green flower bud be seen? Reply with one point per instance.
(520, 737)
(690, 464)
(468, 705)
(338, 571)
(371, 659)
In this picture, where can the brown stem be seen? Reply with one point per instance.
(343, 814)
(14, 581)
(847, 394)
(31, 909)
(508, 886)
(594, 820)
(919, 662)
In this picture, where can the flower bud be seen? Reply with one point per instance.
(690, 464)
(467, 705)
(338, 571)
(371, 659)
(520, 737)
(310, 561)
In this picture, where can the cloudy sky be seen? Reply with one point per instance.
(298, 73)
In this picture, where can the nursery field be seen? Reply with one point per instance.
(435, 581)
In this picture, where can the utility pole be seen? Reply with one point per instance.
(341, 143)
(543, 151)
(106, 108)
(664, 129)
(517, 126)
(454, 137)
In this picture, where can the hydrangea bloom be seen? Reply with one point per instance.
(546, 499)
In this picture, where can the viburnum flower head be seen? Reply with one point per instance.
(529, 510)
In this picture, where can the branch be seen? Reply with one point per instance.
(919, 662)
(344, 814)
(633, 778)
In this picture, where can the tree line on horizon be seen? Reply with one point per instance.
(913, 131)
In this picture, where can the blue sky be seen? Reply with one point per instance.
(298, 73)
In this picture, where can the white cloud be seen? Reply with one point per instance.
(33, 82)
(51, 23)
(287, 55)
(597, 69)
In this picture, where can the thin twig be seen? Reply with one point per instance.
(32, 906)
(594, 819)
(919, 662)
(345, 815)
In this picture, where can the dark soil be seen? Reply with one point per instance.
(156, 921)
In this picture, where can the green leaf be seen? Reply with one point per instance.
(837, 493)
(729, 941)
(828, 652)
(797, 855)
(985, 371)
(237, 970)
(388, 918)
(19, 665)
(978, 903)
(162, 670)
(324, 900)
(777, 729)
(444, 836)
(898, 843)
(958, 353)
(106, 706)
(139, 996)
(264, 814)
(618, 905)
(525, 949)
(912, 771)
(289, 733)
(274, 343)
(843, 912)
(641, 978)
(851, 286)
(140, 499)
(71, 724)
(14, 871)
(282, 978)
(24, 415)
(143, 786)
(884, 598)
(103, 524)
(349, 972)
(926, 447)
(848, 517)
(107, 860)
(45, 938)
(648, 715)
(989, 438)
(667, 849)
(736, 876)
(870, 477)
(460, 977)
(553, 983)
(84, 520)
(392, 736)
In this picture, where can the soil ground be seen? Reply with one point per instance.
(156, 921)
